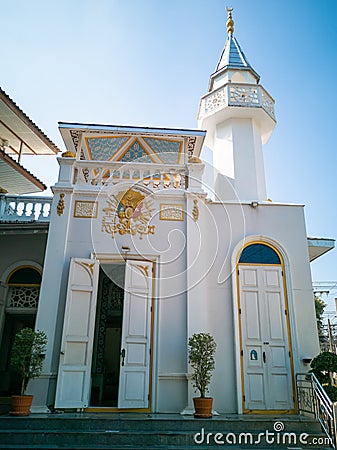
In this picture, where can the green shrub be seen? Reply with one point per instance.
(323, 366)
(324, 362)
(332, 392)
(27, 355)
(201, 351)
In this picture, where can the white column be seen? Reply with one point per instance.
(196, 247)
(48, 311)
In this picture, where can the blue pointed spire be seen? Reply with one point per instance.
(232, 56)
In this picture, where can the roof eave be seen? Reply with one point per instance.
(27, 121)
(319, 246)
(130, 129)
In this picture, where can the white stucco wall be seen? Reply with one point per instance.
(284, 226)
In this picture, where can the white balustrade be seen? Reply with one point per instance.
(91, 174)
(24, 209)
(235, 94)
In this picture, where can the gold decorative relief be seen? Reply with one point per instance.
(89, 266)
(68, 154)
(194, 160)
(195, 210)
(144, 269)
(128, 213)
(60, 205)
(171, 212)
(85, 209)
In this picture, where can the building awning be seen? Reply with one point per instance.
(15, 179)
(318, 246)
(18, 133)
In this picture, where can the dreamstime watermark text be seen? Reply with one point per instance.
(277, 436)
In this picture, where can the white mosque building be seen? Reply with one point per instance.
(138, 258)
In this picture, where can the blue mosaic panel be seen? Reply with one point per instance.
(168, 151)
(136, 153)
(102, 149)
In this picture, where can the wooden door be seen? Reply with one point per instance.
(265, 343)
(134, 379)
(73, 382)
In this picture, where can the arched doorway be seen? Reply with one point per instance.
(23, 285)
(266, 357)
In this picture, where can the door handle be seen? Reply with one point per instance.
(264, 356)
(123, 356)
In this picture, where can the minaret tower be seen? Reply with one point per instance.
(238, 114)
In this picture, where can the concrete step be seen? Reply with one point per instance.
(158, 431)
(129, 421)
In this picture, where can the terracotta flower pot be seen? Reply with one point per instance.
(21, 405)
(203, 407)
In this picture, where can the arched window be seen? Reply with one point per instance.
(24, 288)
(24, 276)
(20, 312)
(259, 254)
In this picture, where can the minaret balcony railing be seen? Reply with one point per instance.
(93, 174)
(237, 94)
(20, 208)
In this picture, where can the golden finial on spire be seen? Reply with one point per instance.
(230, 21)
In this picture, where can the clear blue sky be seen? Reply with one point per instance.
(148, 63)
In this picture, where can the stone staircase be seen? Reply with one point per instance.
(159, 431)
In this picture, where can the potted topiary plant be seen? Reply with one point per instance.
(27, 357)
(201, 351)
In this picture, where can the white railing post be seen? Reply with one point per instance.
(2, 205)
(66, 173)
(334, 410)
(195, 172)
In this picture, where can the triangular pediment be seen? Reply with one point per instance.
(136, 153)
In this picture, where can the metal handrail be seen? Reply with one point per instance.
(312, 399)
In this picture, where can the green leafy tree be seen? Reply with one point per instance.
(201, 351)
(324, 366)
(320, 305)
(28, 353)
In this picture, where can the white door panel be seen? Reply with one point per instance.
(266, 357)
(73, 382)
(134, 379)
